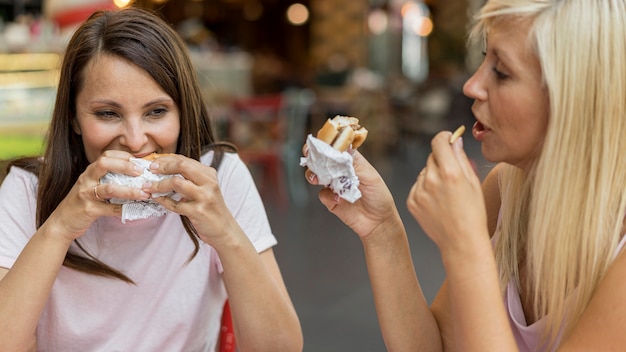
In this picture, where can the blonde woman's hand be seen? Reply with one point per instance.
(374, 208)
(447, 199)
(87, 200)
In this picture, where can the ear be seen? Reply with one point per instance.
(76, 127)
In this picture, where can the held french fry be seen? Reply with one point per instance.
(459, 131)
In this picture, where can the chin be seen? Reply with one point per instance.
(489, 154)
(495, 155)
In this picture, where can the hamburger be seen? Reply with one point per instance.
(341, 132)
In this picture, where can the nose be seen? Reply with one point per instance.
(474, 87)
(134, 136)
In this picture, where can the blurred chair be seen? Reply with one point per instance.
(297, 104)
(257, 128)
(227, 341)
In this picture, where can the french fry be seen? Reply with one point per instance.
(459, 131)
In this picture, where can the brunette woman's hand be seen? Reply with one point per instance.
(88, 199)
(375, 207)
(447, 199)
(202, 201)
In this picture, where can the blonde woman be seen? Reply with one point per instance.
(533, 256)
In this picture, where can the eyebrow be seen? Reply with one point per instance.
(502, 55)
(158, 101)
(150, 103)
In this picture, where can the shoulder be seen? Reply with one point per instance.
(601, 326)
(491, 194)
(232, 171)
(18, 175)
(230, 161)
(18, 203)
(491, 182)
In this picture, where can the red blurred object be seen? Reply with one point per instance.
(76, 14)
(257, 128)
(227, 333)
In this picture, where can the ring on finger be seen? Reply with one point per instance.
(95, 193)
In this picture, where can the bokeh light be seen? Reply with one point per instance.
(297, 14)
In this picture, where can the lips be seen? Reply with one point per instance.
(139, 156)
(479, 131)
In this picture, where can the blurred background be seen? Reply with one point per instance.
(272, 71)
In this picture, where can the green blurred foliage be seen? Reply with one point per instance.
(14, 145)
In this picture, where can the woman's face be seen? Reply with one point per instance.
(121, 107)
(510, 102)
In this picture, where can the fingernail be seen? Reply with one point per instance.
(154, 166)
(139, 169)
(459, 142)
(145, 195)
(146, 185)
(312, 177)
(336, 198)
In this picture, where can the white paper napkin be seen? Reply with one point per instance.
(333, 168)
(132, 209)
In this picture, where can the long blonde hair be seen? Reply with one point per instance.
(564, 217)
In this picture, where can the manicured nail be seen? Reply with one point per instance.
(154, 166)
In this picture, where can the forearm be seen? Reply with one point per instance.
(25, 288)
(479, 317)
(406, 321)
(263, 316)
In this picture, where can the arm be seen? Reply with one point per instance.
(469, 307)
(441, 304)
(405, 319)
(263, 315)
(25, 287)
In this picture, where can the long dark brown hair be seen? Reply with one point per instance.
(145, 39)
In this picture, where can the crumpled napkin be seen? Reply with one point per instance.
(132, 209)
(333, 168)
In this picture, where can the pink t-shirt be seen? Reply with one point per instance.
(173, 306)
(528, 337)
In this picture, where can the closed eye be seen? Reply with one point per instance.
(106, 114)
(499, 74)
(157, 112)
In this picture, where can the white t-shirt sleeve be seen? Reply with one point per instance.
(244, 202)
(17, 214)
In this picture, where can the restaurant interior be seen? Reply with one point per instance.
(272, 71)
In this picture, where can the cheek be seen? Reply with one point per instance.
(528, 130)
(537, 123)
(167, 137)
(95, 139)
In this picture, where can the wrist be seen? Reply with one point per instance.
(469, 255)
(232, 239)
(56, 232)
(381, 235)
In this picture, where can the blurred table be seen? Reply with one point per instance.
(28, 84)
